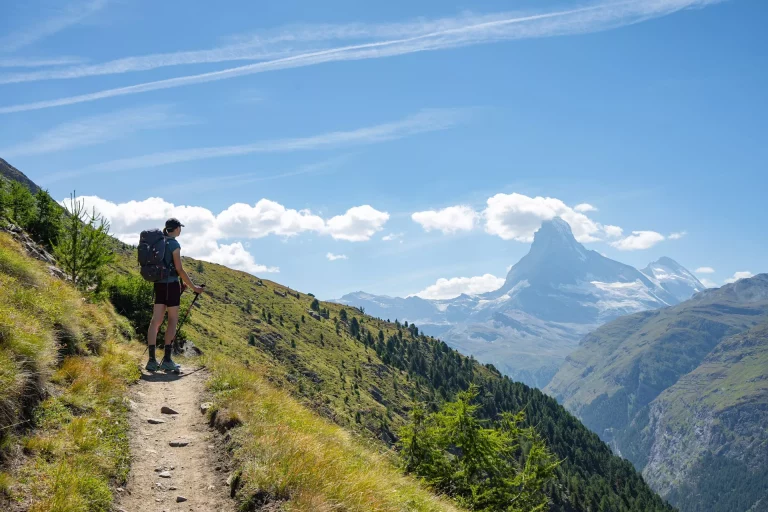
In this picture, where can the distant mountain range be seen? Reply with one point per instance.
(550, 299)
(682, 392)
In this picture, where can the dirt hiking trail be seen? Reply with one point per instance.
(189, 477)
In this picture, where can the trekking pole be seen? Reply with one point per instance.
(178, 327)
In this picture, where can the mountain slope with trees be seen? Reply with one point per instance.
(368, 376)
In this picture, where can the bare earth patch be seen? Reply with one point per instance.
(184, 477)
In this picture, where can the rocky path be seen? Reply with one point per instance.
(175, 462)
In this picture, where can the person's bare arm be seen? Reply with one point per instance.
(182, 273)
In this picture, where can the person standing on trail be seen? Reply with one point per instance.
(168, 297)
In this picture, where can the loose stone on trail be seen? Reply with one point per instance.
(167, 410)
(155, 421)
(179, 443)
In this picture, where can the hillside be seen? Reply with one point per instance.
(312, 397)
(663, 386)
(65, 366)
(551, 298)
(369, 385)
(706, 436)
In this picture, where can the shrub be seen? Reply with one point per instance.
(132, 297)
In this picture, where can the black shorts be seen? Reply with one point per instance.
(168, 294)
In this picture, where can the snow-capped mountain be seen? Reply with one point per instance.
(674, 278)
(552, 297)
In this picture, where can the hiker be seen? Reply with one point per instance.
(168, 297)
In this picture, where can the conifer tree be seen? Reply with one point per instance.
(46, 223)
(5, 198)
(83, 246)
(21, 204)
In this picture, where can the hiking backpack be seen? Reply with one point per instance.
(152, 255)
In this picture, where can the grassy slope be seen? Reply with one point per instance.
(51, 380)
(288, 454)
(348, 383)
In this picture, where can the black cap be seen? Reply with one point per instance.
(172, 224)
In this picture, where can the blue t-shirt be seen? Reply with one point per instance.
(170, 246)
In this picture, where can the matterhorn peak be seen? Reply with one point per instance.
(555, 235)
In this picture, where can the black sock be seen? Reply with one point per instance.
(152, 352)
(167, 353)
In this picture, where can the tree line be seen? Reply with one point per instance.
(588, 475)
(78, 239)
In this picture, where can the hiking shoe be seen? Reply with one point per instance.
(152, 365)
(170, 366)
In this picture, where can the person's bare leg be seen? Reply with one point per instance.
(170, 331)
(154, 325)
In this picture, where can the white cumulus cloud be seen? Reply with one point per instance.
(705, 270)
(708, 283)
(334, 257)
(453, 287)
(613, 231)
(204, 231)
(448, 220)
(678, 235)
(266, 218)
(517, 217)
(357, 224)
(746, 274)
(584, 208)
(638, 240)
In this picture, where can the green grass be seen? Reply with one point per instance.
(289, 454)
(64, 372)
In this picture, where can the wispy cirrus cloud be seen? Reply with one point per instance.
(424, 121)
(416, 37)
(68, 16)
(93, 130)
(39, 62)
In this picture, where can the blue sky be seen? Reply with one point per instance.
(417, 140)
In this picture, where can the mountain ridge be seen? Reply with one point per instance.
(557, 293)
(680, 391)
